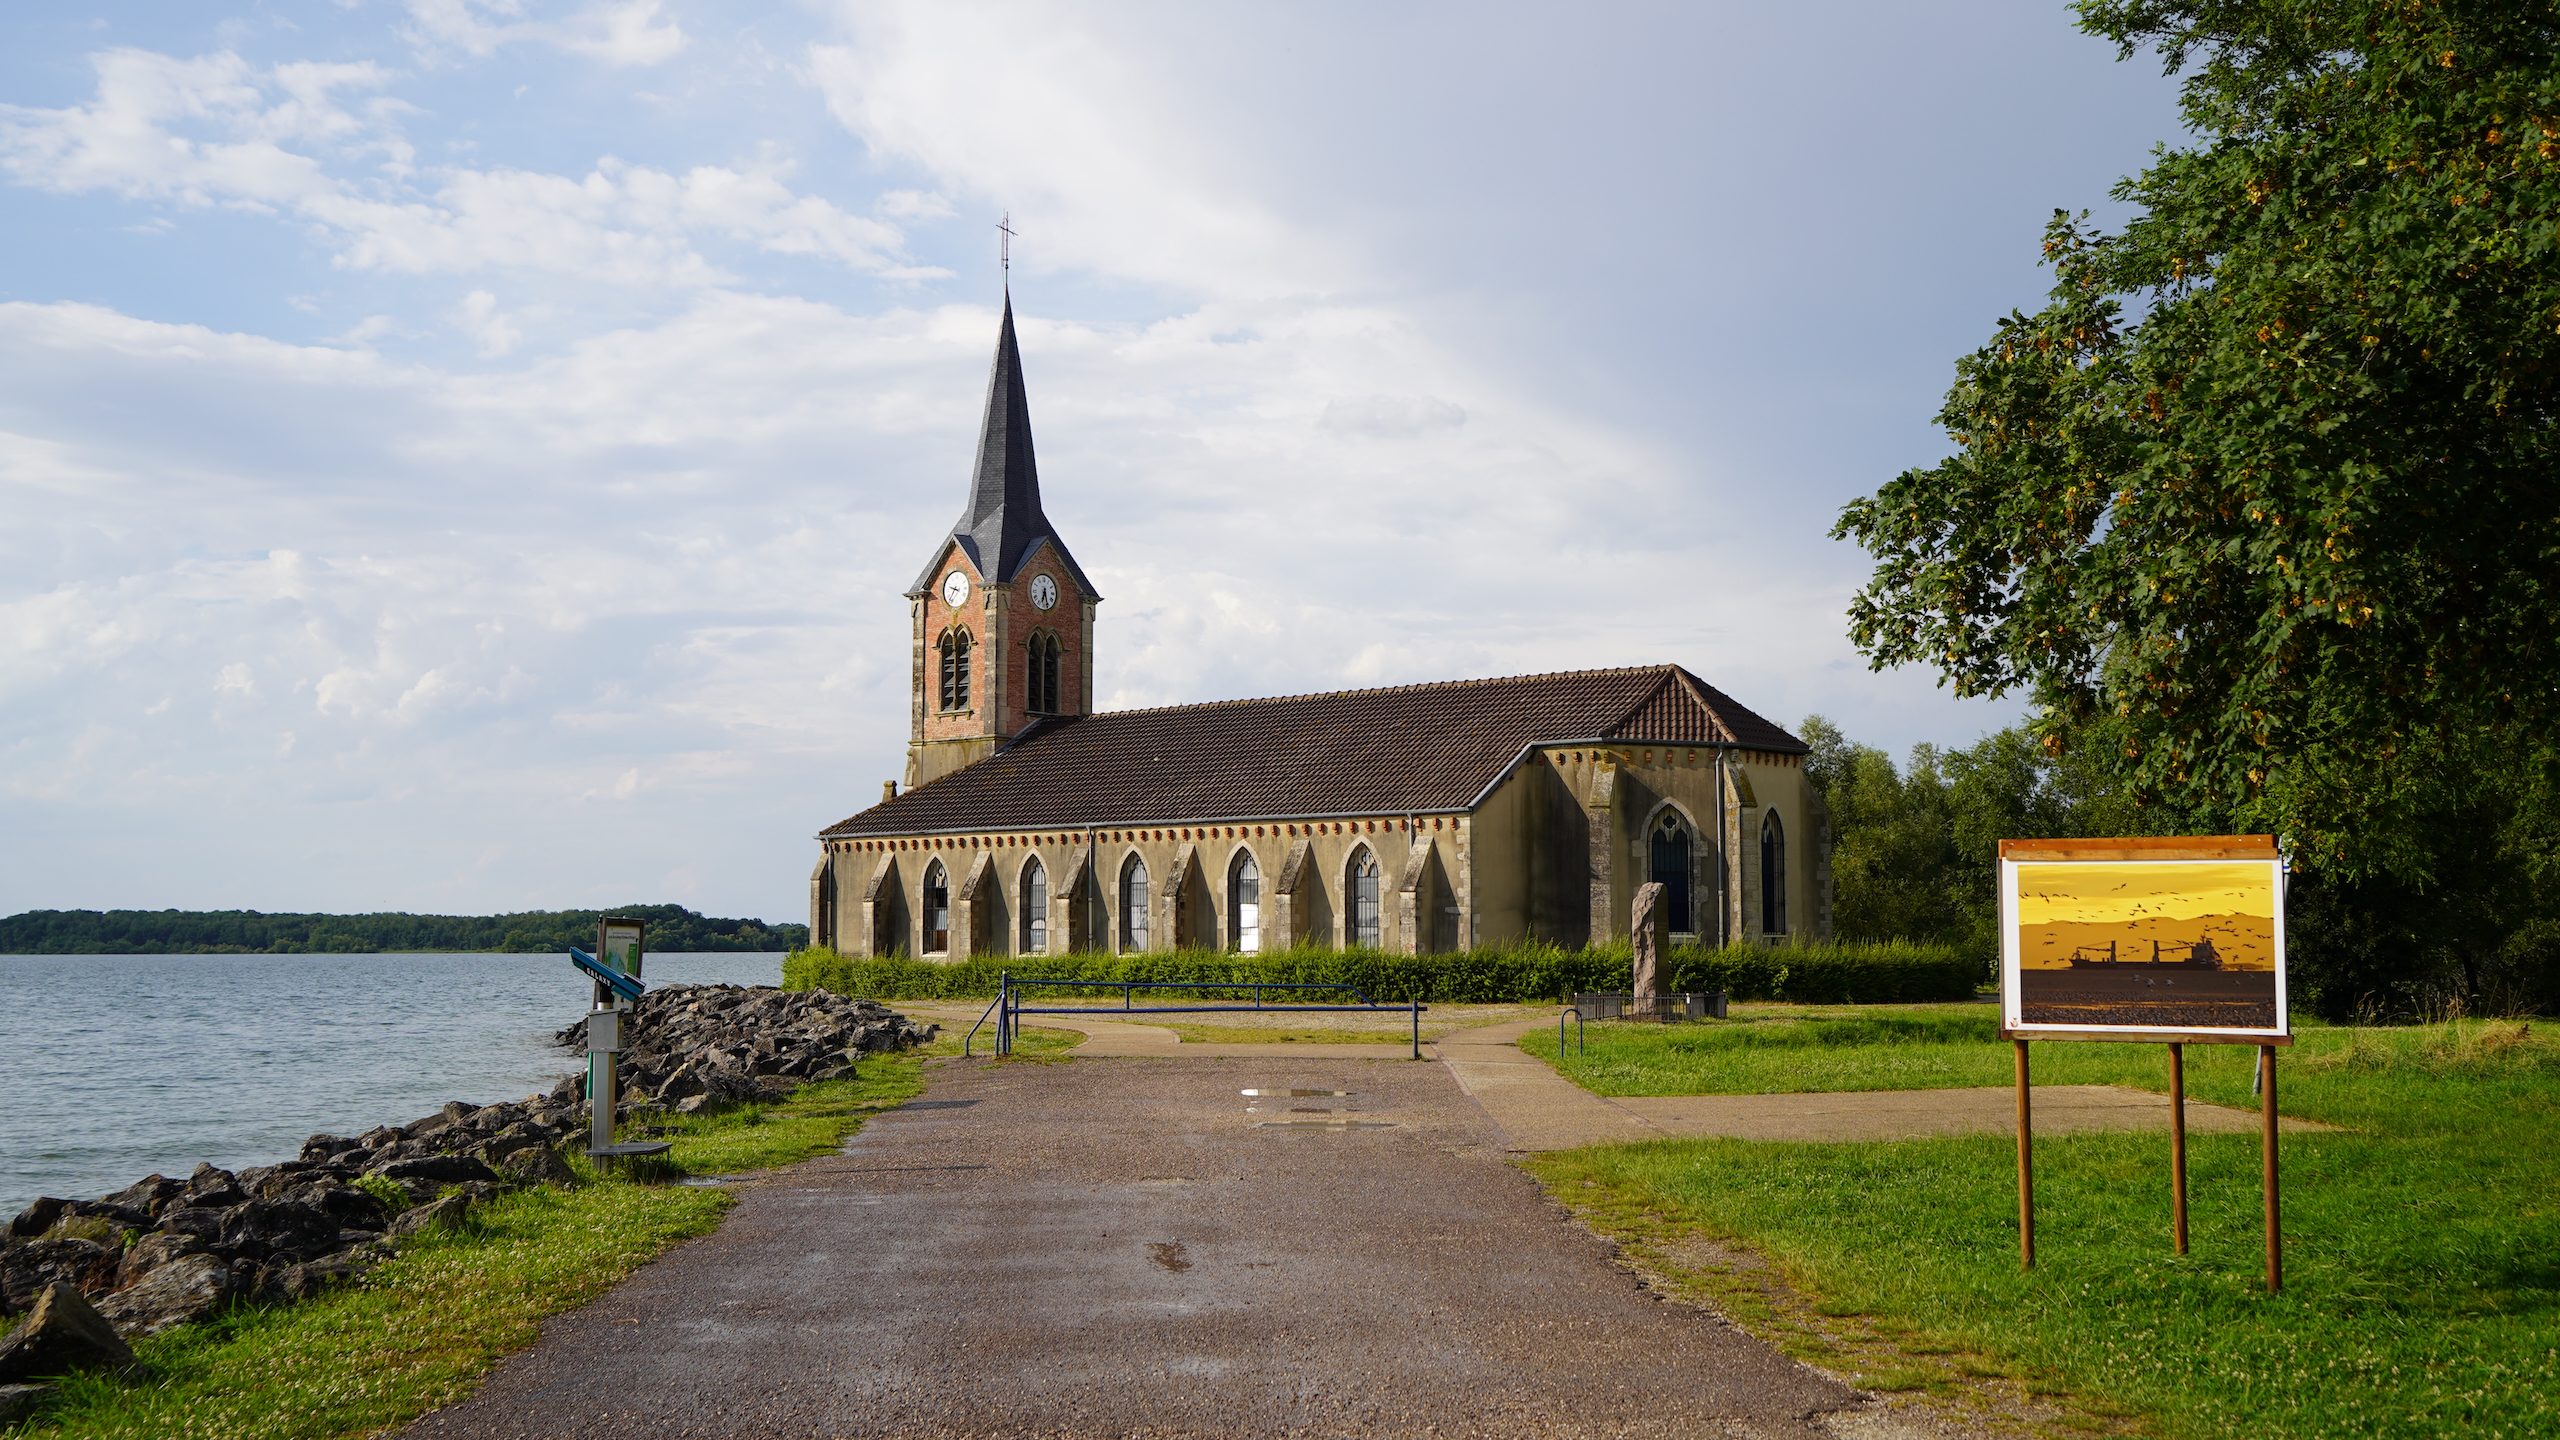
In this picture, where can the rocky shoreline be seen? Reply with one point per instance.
(165, 1252)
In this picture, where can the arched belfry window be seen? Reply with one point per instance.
(1133, 905)
(1773, 876)
(1244, 904)
(1035, 908)
(1363, 888)
(937, 909)
(1040, 660)
(955, 670)
(1673, 847)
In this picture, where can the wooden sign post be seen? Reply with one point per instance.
(2096, 938)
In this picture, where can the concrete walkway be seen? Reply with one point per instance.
(1091, 1252)
(1539, 1109)
(1105, 1038)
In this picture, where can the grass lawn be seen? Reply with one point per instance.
(421, 1329)
(2422, 1254)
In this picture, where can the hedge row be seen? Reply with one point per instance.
(1827, 974)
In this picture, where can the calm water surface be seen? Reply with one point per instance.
(116, 1066)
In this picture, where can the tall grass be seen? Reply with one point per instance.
(1823, 974)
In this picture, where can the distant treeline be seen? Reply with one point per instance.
(247, 932)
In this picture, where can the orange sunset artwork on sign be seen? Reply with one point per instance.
(2155, 945)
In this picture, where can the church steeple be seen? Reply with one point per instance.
(1003, 616)
(1003, 523)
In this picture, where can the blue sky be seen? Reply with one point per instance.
(464, 456)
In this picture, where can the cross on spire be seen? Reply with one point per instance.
(1004, 247)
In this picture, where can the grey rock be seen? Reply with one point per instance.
(38, 1217)
(121, 1216)
(420, 1129)
(201, 1221)
(539, 1165)
(264, 1228)
(151, 1252)
(309, 1280)
(499, 1147)
(443, 1169)
(209, 1188)
(445, 1214)
(350, 1207)
(150, 1195)
(17, 1402)
(28, 1269)
(63, 1334)
(181, 1292)
(322, 1147)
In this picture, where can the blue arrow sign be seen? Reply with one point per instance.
(623, 985)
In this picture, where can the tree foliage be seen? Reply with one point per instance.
(2260, 507)
(234, 932)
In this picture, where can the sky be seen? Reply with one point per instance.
(466, 455)
(2116, 893)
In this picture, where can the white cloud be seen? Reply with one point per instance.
(635, 32)
(1393, 416)
(1031, 108)
(213, 131)
(496, 333)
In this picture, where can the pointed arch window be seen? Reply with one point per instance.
(1363, 889)
(1041, 663)
(1773, 876)
(1035, 908)
(954, 692)
(1673, 846)
(937, 909)
(1244, 904)
(1133, 904)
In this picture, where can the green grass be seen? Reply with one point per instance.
(2422, 1296)
(421, 1329)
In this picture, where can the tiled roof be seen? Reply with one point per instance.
(1423, 749)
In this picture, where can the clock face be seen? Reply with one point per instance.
(955, 589)
(1044, 592)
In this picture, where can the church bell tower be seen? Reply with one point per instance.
(1003, 617)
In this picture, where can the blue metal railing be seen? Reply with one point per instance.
(1009, 1007)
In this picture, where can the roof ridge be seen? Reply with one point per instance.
(1388, 689)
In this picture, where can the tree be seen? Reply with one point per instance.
(2260, 507)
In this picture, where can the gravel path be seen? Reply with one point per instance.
(1122, 1248)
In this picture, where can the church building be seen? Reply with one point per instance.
(1417, 818)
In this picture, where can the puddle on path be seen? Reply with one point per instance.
(1290, 1094)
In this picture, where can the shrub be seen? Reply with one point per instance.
(1828, 974)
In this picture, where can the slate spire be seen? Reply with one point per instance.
(1004, 524)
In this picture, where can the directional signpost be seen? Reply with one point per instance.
(615, 968)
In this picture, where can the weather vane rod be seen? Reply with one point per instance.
(1004, 246)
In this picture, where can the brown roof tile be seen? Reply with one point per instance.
(1410, 749)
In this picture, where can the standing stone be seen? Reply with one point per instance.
(1651, 927)
(64, 1333)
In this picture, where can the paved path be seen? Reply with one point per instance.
(1539, 1109)
(1108, 1039)
(1128, 1249)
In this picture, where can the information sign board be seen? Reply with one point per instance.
(2175, 939)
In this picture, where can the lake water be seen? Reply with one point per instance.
(113, 1067)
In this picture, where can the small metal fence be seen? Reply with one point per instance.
(1618, 1005)
(1008, 1007)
